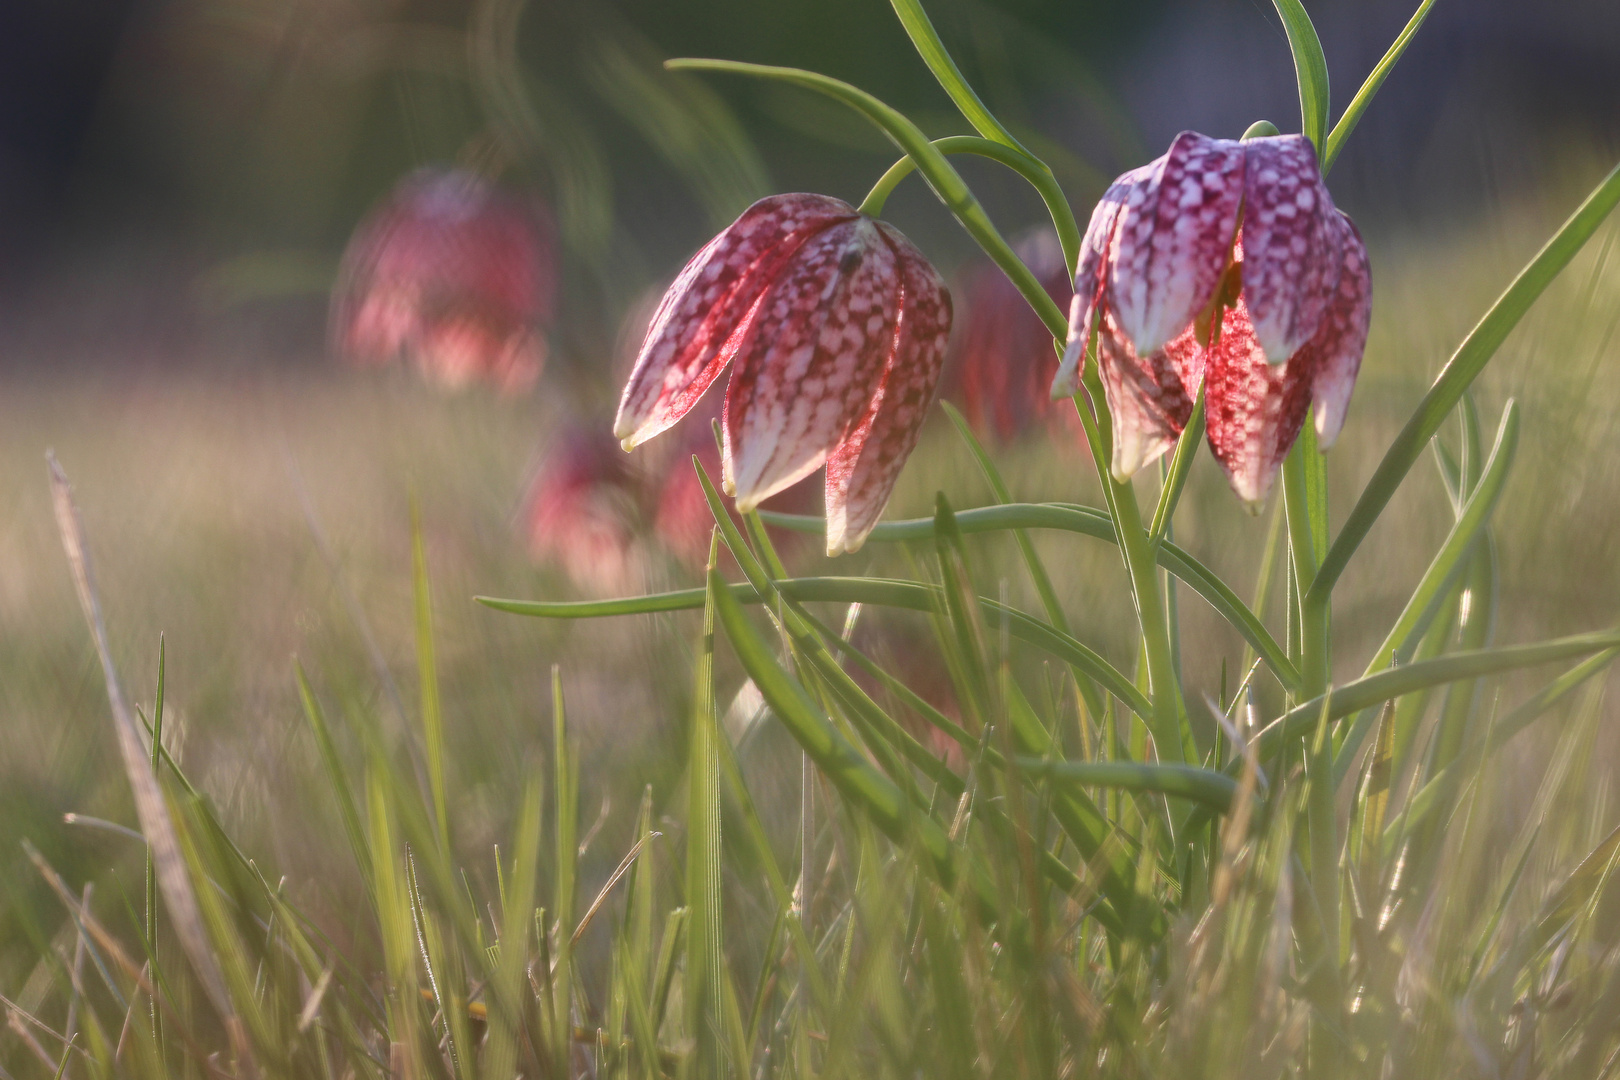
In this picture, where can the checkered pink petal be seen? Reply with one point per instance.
(1291, 244)
(1254, 409)
(1150, 398)
(1091, 273)
(813, 359)
(709, 310)
(1339, 343)
(861, 470)
(1175, 238)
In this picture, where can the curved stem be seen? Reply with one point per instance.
(1024, 164)
(945, 180)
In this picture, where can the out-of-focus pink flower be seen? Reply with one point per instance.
(581, 512)
(1228, 261)
(1005, 360)
(838, 327)
(452, 275)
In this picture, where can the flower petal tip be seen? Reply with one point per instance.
(1066, 383)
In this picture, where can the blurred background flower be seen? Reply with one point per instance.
(582, 513)
(1004, 358)
(453, 276)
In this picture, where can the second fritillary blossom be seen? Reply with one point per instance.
(835, 327)
(1223, 263)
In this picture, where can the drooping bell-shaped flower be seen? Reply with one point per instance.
(452, 276)
(1226, 261)
(835, 326)
(1003, 357)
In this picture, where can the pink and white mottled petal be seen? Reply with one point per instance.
(861, 471)
(1291, 244)
(806, 372)
(707, 312)
(1340, 342)
(1066, 383)
(1254, 409)
(1146, 399)
(1174, 245)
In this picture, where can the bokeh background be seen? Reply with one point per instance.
(178, 179)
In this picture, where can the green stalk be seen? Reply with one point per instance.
(1030, 168)
(947, 183)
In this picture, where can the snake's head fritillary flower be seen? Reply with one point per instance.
(834, 325)
(451, 275)
(1004, 361)
(1226, 261)
(580, 512)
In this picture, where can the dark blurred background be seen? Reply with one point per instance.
(177, 177)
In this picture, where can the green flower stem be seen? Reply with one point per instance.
(1030, 168)
(947, 183)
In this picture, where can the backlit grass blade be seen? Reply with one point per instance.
(705, 959)
(500, 1056)
(1032, 561)
(1358, 104)
(428, 673)
(1460, 372)
(336, 778)
(179, 898)
(1432, 795)
(1424, 602)
(1375, 689)
(1192, 436)
(1310, 69)
(1206, 786)
(840, 762)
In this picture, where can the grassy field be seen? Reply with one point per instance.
(260, 519)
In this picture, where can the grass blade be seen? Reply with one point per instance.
(1461, 371)
(1424, 602)
(428, 672)
(151, 809)
(1206, 786)
(1310, 68)
(1376, 689)
(1375, 79)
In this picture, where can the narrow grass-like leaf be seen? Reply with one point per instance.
(911, 595)
(1433, 794)
(500, 1056)
(1206, 786)
(1461, 371)
(1032, 561)
(428, 673)
(1375, 689)
(705, 960)
(336, 778)
(1192, 436)
(1310, 69)
(179, 898)
(1375, 79)
(1424, 602)
(840, 762)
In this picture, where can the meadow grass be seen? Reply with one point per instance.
(425, 838)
